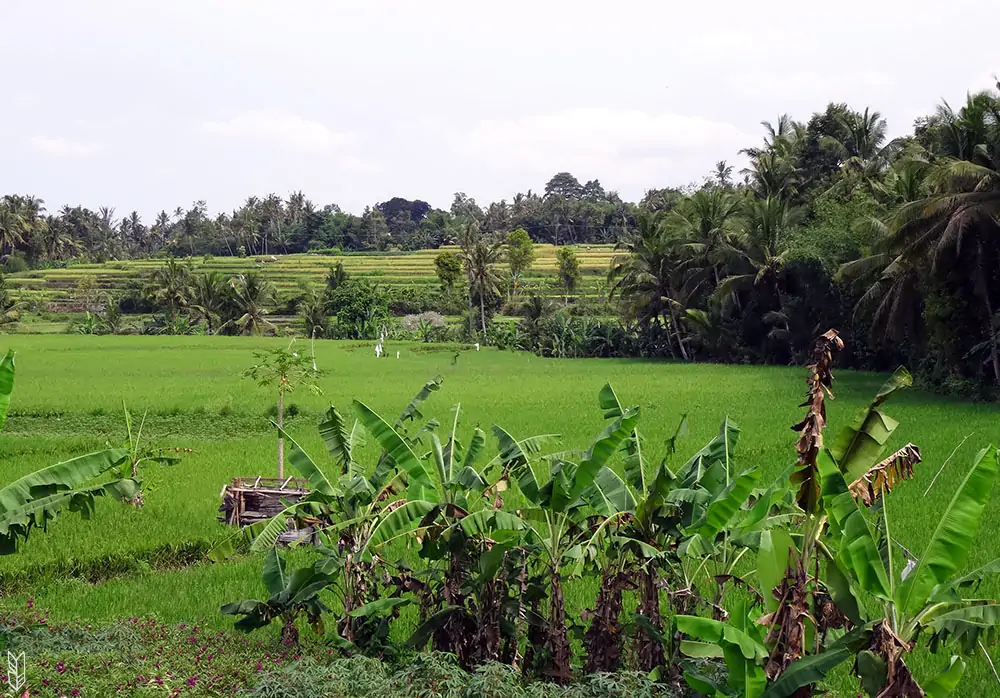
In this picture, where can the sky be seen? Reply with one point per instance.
(148, 105)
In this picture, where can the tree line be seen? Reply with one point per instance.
(830, 224)
(567, 213)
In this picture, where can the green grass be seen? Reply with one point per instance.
(68, 400)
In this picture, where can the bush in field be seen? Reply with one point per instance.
(361, 309)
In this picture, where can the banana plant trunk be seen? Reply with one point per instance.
(650, 648)
(603, 637)
(289, 633)
(558, 640)
(454, 634)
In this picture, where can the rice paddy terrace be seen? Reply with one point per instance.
(60, 290)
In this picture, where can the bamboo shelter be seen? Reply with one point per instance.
(251, 500)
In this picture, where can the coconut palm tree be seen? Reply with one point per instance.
(647, 276)
(170, 286)
(952, 233)
(209, 295)
(13, 225)
(863, 151)
(707, 223)
(762, 248)
(892, 295)
(480, 257)
(251, 294)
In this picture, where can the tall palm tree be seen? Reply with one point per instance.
(892, 293)
(251, 296)
(208, 297)
(480, 258)
(706, 223)
(772, 171)
(762, 248)
(170, 286)
(13, 225)
(953, 233)
(647, 276)
(56, 239)
(772, 174)
(863, 151)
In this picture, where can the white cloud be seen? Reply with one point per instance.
(352, 163)
(282, 128)
(805, 84)
(587, 138)
(987, 80)
(63, 147)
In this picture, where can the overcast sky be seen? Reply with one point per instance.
(151, 105)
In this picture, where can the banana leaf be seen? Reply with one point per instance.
(339, 444)
(858, 553)
(305, 466)
(6, 385)
(858, 446)
(412, 412)
(420, 482)
(726, 503)
(947, 681)
(398, 522)
(601, 451)
(949, 546)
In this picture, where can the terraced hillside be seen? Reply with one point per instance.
(61, 289)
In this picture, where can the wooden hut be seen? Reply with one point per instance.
(250, 500)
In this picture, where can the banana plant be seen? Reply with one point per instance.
(290, 594)
(927, 595)
(683, 526)
(801, 607)
(453, 508)
(573, 503)
(39, 497)
(140, 455)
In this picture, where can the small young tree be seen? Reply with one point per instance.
(520, 253)
(335, 278)
(448, 267)
(569, 270)
(287, 370)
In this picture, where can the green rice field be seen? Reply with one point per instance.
(70, 390)
(56, 290)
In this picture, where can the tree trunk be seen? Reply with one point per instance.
(677, 333)
(289, 633)
(560, 668)
(281, 441)
(990, 327)
(650, 647)
(670, 341)
(482, 310)
(602, 640)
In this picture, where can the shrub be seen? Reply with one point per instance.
(15, 263)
